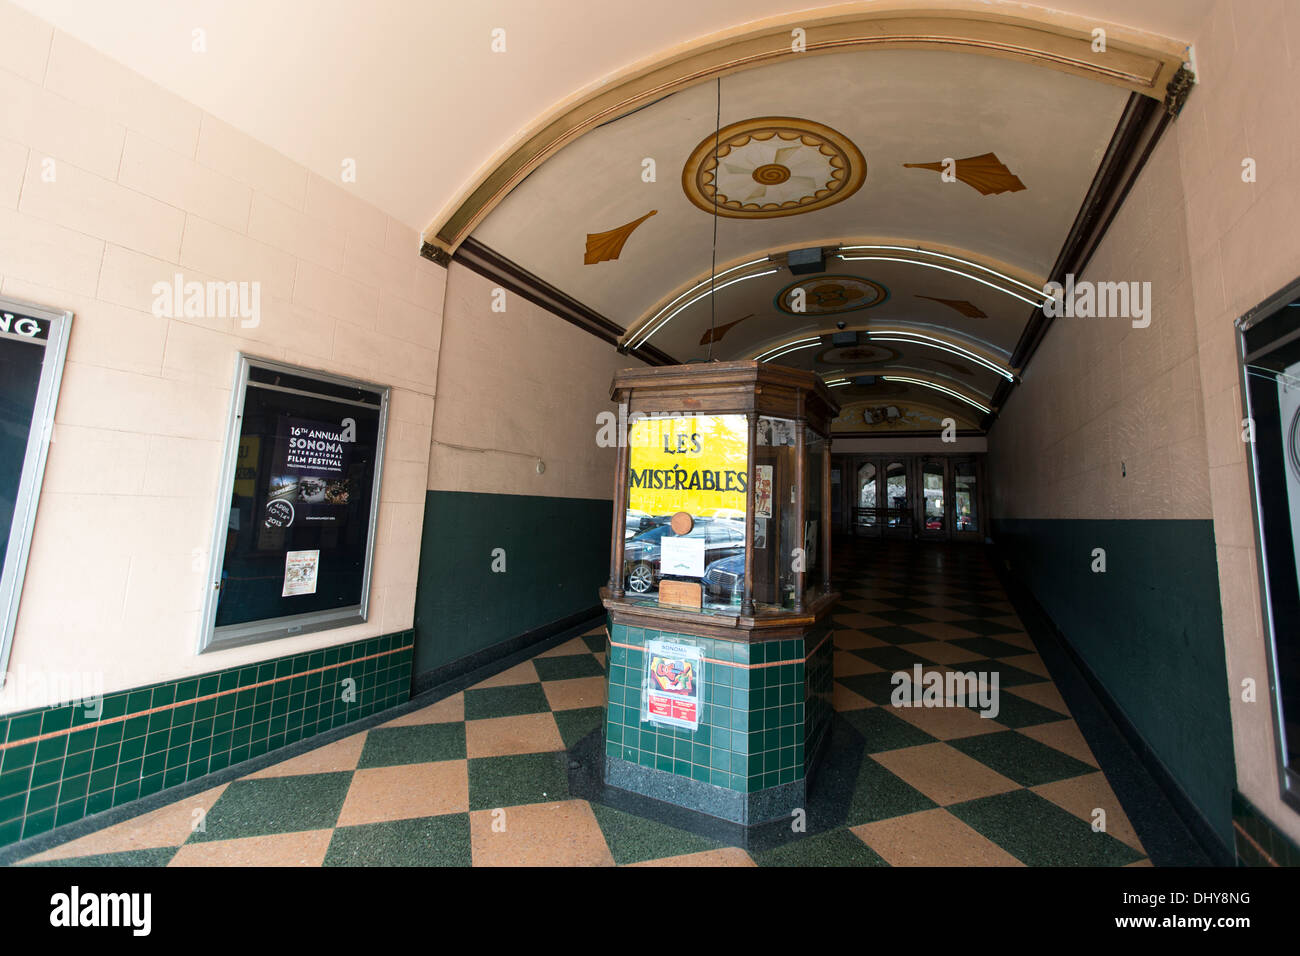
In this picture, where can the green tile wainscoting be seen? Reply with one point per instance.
(1258, 841)
(556, 554)
(1150, 631)
(765, 710)
(63, 763)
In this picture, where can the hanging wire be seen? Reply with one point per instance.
(713, 269)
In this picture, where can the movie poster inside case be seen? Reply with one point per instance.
(674, 673)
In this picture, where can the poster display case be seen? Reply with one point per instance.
(719, 587)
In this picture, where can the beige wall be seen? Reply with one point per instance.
(144, 186)
(516, 387)
(1244, 243)
(1107, 422)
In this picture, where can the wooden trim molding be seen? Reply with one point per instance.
(1140, 62)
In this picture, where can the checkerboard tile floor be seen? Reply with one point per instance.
(481, 778)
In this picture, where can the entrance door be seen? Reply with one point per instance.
(867, 510)
(934, 498)
(967, 519)
(898, 499)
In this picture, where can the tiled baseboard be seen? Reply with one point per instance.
(61, 764)
(1258, 841)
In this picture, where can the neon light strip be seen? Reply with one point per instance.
(944, 268)
(797, 348)
(936, 387)
(762, 356)
(696, 287)
(916, 338)
(942, 255)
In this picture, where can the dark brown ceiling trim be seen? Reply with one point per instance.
(1139, 130)
(510, 275)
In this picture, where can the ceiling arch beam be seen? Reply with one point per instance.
(927, 338)
(1141, 62)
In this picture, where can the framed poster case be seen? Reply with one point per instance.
(293, 541)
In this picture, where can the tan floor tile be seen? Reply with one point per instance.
(306, 848)
(867, 605)
(332, 758)
(378, 794)
(1065, 736)
(523, 673)
(1146, 862)
(449, 710)
(1016, 639)
(844, 699)
(567, 649)
(576, 692)
(858, 621)
(539, 834)
(849, 639)
(940, 614)
(846, 664)
(1082, 795)
(524, 734)
(167, 826)
(932, 838)
(1027, 662)
(943, 773)
(941, 652)
(600, 657)
(948, 723)
(598, 629)
(1008, 620)
(940, 631)
(1045, 695)
(727, 856)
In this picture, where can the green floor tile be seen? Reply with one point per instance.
(517, 779)
(275, 805)
(891, 658)
(567, 668)
(877, 688)
(595, 641)
(990, 647)
(883, 730)
(1039, 833)
(158, 856)
(423, 841)
(982, 627)
(1020, 758)
(576, 724)
(632, 839)
(423, 743)
(1016, 712)
(878, 795)
(897, 634)
(836, 848)
(486, 702)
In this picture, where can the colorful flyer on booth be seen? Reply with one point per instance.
(673, 675)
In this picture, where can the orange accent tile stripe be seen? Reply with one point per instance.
(750, 667)
(182, 703)
(1262, 852)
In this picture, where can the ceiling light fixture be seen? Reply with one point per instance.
(1036, 303)
(704, 284)
(796, 348)
(763, 356)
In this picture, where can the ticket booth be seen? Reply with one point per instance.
(719, 593)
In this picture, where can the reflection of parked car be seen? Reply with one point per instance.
(641, 554)
(933, 523)
(724, 580)
(964, 523)
(639, 521)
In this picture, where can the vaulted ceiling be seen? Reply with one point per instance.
(889, 195)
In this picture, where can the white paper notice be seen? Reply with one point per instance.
(300, 569)
(683, 556)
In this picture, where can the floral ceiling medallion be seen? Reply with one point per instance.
(828, 295)
(773, 166)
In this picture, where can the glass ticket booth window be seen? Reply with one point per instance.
(710, 495)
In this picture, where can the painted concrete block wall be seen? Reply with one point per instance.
(1103, 447)
(145, 185)
(515, 388)
(1244, 246)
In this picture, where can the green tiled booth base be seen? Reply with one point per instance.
(60, 764)
(1258, 841)
(765, 710)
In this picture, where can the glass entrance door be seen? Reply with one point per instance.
(867, 517)
(898, 501)
(934, 499)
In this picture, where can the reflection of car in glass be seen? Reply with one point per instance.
(724, 580)
(641, 554)
(933, 523)
(639, 521)
(964, 523)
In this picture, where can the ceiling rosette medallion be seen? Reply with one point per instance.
(773, 166)
(830, 295)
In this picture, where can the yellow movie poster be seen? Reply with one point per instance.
(693, 463)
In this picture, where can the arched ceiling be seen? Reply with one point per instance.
(537, 155)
